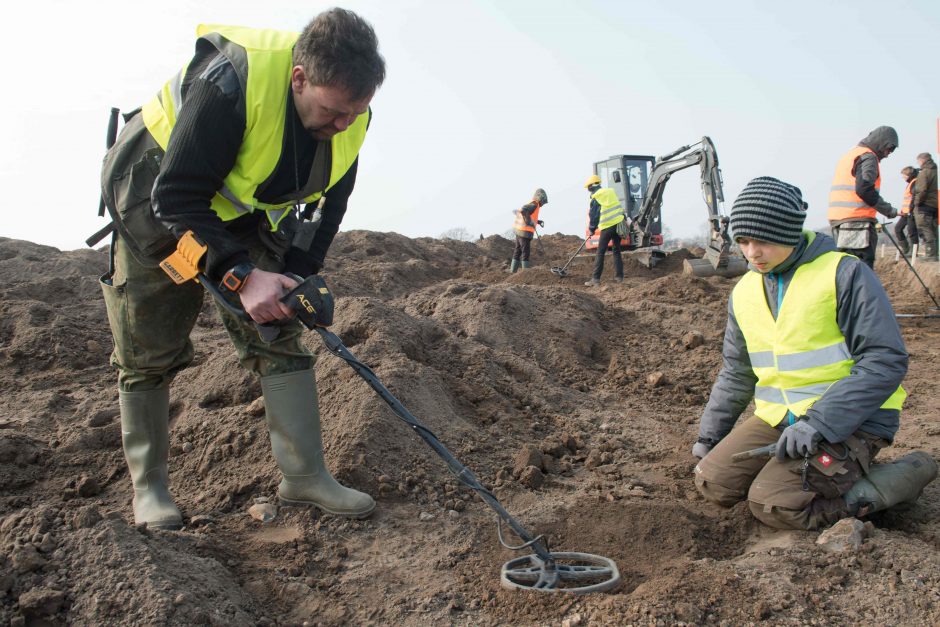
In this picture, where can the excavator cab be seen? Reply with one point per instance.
(629, 176)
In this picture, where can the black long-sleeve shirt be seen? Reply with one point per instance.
(203, 149)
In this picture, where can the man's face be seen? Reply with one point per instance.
(921, 162)
(324, 111)
(887, 151)
(764, 256)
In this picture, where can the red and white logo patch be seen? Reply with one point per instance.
(825, 460)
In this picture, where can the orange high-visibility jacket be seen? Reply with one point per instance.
(844, 203)
(520, 224)
(908, 197)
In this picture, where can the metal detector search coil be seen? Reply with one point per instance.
(575, 573)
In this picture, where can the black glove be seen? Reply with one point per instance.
(301, 263)
(312, 300)
(798, 440)
(541, 224)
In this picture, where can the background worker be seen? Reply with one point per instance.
(605, 213)
(906, 228)
(259, 123)
(812, 339)
(854, 197)
(526, 219)
(925, 204)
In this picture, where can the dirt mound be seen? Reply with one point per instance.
(577, 406)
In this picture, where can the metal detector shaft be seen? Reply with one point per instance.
(908, 262)
(538, 239)
(542, 570)
(464, 474)
(580, 248)
(562, 271)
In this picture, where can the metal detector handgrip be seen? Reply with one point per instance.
(109, 143)
(763, 451)
(267, 332)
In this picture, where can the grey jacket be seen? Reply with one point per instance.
(872, 335)
(925, 189)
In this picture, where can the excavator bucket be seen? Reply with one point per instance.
(649, 258)
(730, 267)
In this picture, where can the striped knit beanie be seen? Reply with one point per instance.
(769, 210)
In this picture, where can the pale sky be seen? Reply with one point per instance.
(485, 100)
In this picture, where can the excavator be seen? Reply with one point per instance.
(640, 181)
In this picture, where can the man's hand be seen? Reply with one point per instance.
(798, 440)
(541, 224)
(261, 296)
(700, 450)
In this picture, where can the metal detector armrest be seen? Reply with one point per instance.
(183, 263)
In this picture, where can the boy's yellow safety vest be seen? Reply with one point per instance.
(800, 354)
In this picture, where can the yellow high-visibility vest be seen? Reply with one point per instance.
(800, 354)
(611, 208)
(263, 60)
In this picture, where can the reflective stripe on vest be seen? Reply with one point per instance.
(520, 225)
(800, 354)
(263, 61)
(611, 209)
(908, 197)
(844, 203)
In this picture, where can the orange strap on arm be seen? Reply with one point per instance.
(183, 264)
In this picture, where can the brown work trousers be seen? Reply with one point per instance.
(793, 494)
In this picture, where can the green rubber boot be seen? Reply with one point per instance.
(513, 266)
(290, 404)
(526, 265)
(146, 438)
(886, 485)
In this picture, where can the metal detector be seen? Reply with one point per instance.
(563, 271)
(538, 239)
(909, 264)
(543, 570)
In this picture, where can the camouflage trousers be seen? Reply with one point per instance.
(151, 320)
(793, 494)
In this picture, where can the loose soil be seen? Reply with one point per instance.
(577, 406)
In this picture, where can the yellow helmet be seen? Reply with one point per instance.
(592, 180)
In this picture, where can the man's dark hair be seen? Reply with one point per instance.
(907, 171)
(340, 49)
(924, 156)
